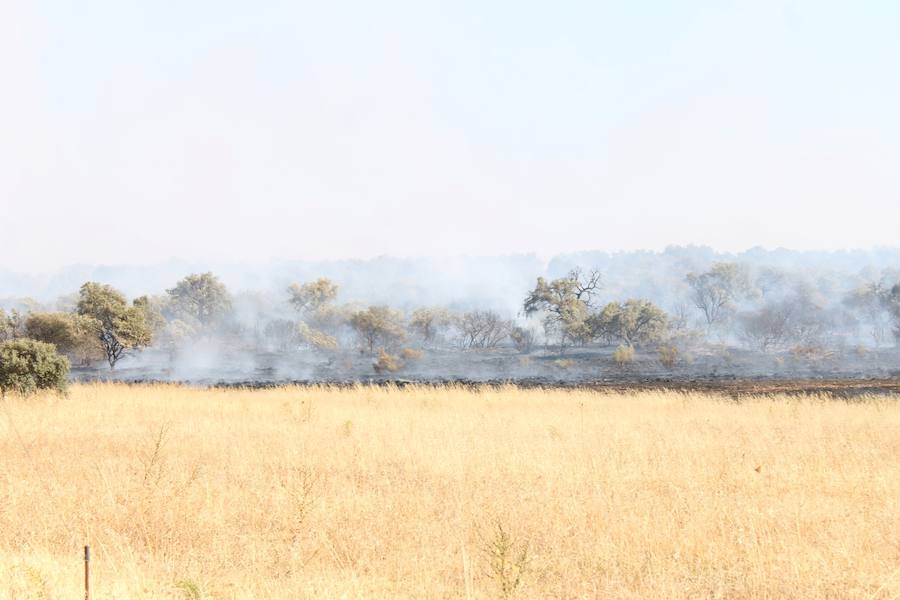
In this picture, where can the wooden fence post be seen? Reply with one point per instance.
(87, 573)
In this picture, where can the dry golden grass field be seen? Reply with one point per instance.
(424, 492)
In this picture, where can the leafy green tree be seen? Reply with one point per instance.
(566, 304)
(633, 322)
(313, 295)
(200, 297)
(119, 327)
(378, 326)
(27, 366)
(73, 335)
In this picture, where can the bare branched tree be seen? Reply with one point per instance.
(483, 329)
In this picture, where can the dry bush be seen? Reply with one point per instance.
(668, 356)
(811, 354)
(411, 354)
(623, 356)
(370, 492)
(564, 363)
(523, 339)
(386, 363)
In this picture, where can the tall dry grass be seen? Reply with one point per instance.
(447, 493)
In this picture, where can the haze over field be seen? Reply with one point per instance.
(138, 132)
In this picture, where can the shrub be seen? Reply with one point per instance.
(668, 356)
(27, 366)
(810, 353)
(411, 354)
(386, 362)
(508, 560)
(623, 356)
(316, 339)
(523, 339)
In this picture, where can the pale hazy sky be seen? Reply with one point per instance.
(137, 131)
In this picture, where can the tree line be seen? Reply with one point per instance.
(725, 303)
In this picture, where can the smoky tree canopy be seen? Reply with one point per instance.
(378, 326)
(321, 319)
(282, 334)
(428, 322)
(877, 304)
(892, 301)
(523, 339)
(27, 366)
(714, 292)
(796, 320)
(119, 327)
(201, 297)
(768, 327)
(566, 304)
(632, 322)
(312, 295)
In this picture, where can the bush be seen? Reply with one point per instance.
(411, 354)
(810, 353)
(623, 356)
(668, 356)
(523, 339)
(315, 339)
(564, 363)
(27, 366)
(386, 362)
